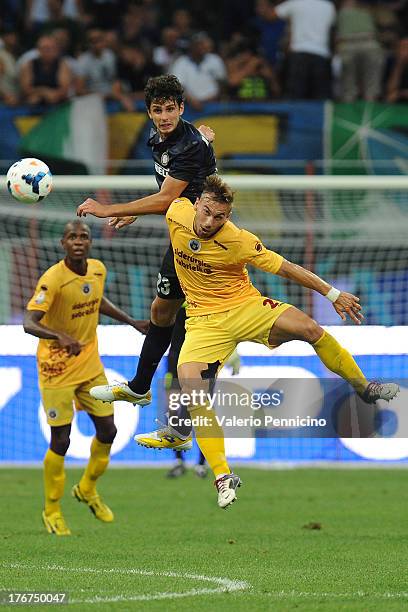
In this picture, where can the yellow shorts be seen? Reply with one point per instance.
(59, 403)
(212, 338)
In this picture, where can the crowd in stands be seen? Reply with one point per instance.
(347, 50)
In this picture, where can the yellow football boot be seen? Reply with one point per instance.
(163, 438)
(95, 504)
(55, 523)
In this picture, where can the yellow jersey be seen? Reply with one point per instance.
(212, 272)
(71, 304)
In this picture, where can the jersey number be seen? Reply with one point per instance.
(270, 303)
(163, 285)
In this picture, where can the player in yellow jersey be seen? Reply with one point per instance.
(64, 313)
(224, 308)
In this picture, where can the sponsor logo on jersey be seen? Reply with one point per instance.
(160, 170)
(40, 299)
(86, 288)
(194, 245)
(165, 158)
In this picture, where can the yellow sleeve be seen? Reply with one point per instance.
(45, 292)
(256, 254)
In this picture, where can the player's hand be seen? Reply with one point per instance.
(348, 304)
(72, 346)
(118, 222)
(207, 132)
(92, 207)
(141, 326)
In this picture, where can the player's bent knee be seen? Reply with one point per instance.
(60, 444)
(107, 434)
(312, 331)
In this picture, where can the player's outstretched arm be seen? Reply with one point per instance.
(109, 309)
(344, 303)
(33, 326)
(155, 204)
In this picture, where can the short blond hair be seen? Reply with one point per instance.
(219, 189)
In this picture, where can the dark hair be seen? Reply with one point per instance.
(162, 88)
(75, 223)
(219, 189)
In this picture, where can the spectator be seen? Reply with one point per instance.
(234, 17)
(133, 71)
(362, 58)
(39, 12)
(250, 77)
(9, 87)
(309, 70)
(132, 28)
(201, 72)
(46, 79)
(270, 33)
(182, 21)
(96, 67)
(397, 86)
(104, 14)
(165, 55)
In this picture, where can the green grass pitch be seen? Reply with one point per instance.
(170, 543)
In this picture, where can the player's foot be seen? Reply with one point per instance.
(164, 437)
(226, 486)
(95, 504)
(376, 391)
(120, 391)
(201, 470)
(177, 470)
(55, 523)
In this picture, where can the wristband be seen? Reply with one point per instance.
(332, 294)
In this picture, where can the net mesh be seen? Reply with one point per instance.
(355, 239)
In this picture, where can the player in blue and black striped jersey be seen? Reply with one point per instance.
(183, 158)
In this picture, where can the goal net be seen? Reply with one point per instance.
(352, 231)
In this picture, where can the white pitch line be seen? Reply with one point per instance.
(224, 585)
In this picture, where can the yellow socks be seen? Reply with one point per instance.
(54, 480)
(340, 361)
(97, 464)
(210, 439)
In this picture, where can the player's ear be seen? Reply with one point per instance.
(195, 203)
(181, 108)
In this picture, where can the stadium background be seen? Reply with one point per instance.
(355, 237)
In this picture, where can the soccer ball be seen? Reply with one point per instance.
(29, 180)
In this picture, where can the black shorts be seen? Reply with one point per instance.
(168, 286)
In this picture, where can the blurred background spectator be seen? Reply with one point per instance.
(133, 71)
(309, 68)
(97, 66)
(397, 86)
(201, 72)
(46, 79)
(250, 76)
(362, 57)
(182, 22)
(272, 49)
(9, 85)
(167, 53)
